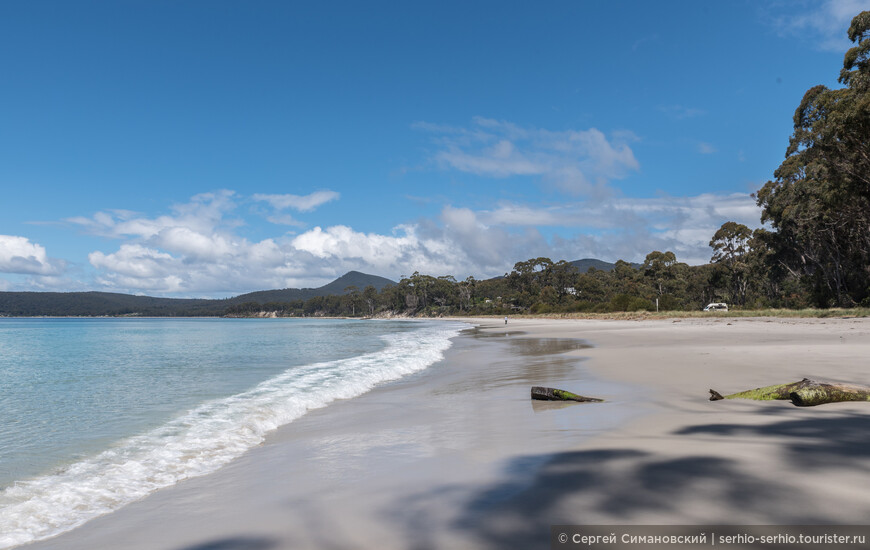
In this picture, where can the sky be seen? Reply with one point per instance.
(211, 148)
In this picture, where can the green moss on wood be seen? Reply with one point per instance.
(826, 393)
(806, 393)
(767, 393)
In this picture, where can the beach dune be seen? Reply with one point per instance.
(458, 456)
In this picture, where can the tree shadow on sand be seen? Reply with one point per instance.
(817, 442)
(621, 485)
(236, 543)
(615, 484)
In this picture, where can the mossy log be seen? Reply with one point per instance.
(552, 394)
(767, 393)
(805, 393)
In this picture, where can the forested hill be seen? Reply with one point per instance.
(62, 304)
(351, 279)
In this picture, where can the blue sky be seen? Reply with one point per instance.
(214, 148)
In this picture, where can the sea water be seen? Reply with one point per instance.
(97, 413)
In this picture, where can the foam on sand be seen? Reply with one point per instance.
(204, 438)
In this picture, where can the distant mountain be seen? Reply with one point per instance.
(584, 265)
(87, 304)
(357, 279)
(336, 287)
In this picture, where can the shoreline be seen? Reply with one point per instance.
(451, 425)
(857, 312)
(457, 456)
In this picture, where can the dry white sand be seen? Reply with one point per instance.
(459, 457)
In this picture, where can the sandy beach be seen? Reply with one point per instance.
(458, 456)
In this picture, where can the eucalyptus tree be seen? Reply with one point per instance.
(660, 267)
(819, 201)
(370, 297)
(731, 249)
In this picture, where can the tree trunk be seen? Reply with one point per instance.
(806, 393)
(551, 394)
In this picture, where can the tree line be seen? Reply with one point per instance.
(540, 285)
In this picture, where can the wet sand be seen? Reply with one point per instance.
(459, 457)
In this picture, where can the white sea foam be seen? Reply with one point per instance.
(204, 439)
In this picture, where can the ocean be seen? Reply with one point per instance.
(97, 413)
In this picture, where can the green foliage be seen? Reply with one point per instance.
(819, 201)
(627, 302)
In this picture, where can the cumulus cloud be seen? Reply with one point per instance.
(483, 243)
(455, 244)
(576, 161)
(629, 228)
(825, 23)
(197, 249)
(19, 255)
(683, 225)
(194, 249)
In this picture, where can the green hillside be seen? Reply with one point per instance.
(93, 304)
(16, 304)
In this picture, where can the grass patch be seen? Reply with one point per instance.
(809, 313)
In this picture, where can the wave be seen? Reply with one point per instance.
(205, 438)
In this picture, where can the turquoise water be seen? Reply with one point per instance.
(100, 412)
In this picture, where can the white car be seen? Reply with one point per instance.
(718, 306)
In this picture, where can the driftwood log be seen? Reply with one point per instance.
(805, 393)
(552, 394)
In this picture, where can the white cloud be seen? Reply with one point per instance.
(627, 228)
(19, 255)
(684, 224)
(197, 250)
(193, 252)
(344, 243)
(302, 203)
(455, 244)
(133, 260)
(204, 213)
(576, 161)
(511, 214)
(826, 23)
(484, 243)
